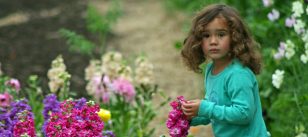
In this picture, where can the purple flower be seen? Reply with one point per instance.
(51, 104)
(274, 15)
(80, 103)
(281, 51)
(18, 107)
(290, 22)
(108, 134)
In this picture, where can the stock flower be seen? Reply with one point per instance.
(274, 15)
(25, 125)
(99, 87)
(267, 3)
(57, 75)
(299, 26)
(108, 134)
(290, 21)
(93, 69)
(144, 71)
(74, 121)
(51, 105)
(14, 83)
(281, 51)
(289, 49)
(124, 88)
(277, 78)
(111, 64)
(125, 72)
(104, 114)
(297, 8)
(5, 99)
(177, 123)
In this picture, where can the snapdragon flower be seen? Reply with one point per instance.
(277, 78)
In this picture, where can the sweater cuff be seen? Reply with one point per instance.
(206, 109)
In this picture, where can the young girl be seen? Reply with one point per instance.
(232, 104)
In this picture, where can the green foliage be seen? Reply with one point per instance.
(133, 119)
(98, 24)
(77, 43)
(34, 94)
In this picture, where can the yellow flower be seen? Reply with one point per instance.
(104, 115)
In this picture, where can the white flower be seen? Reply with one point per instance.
(305, 36)
(126, 73)
(297, 8)
(304, 58)
(111, 64)
(267, 3)
(57, 74)
(301, 135)
(307, 10)
(92, 69)
(299, 26)
(289, 49)
(277, 78)
(144, 71)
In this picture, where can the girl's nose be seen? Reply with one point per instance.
(213, 40)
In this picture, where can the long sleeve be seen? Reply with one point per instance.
(239, 88)
(199, 121)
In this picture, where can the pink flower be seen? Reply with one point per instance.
(125, 88)
(267, 3)
(290, 22)
(5, 99)
(274, 15)
(177, 123)
(14, 83)
(281, 51)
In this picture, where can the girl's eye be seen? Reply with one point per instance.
(221, 34)
(205, 35)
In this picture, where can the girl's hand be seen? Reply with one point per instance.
(190, 108)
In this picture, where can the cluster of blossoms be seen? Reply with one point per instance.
(277, 78)
(111, 76)
(17, 120)
(75, 118)
(287, 49)
(144, 71)
(177, 123)
(58, 77)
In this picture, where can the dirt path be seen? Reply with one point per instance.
(146, 28)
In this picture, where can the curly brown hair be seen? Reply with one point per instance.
(243, 46)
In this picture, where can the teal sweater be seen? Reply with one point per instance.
(232, 104)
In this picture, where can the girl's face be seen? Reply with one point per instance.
(216, 40)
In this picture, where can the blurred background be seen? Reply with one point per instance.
(33, 33)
